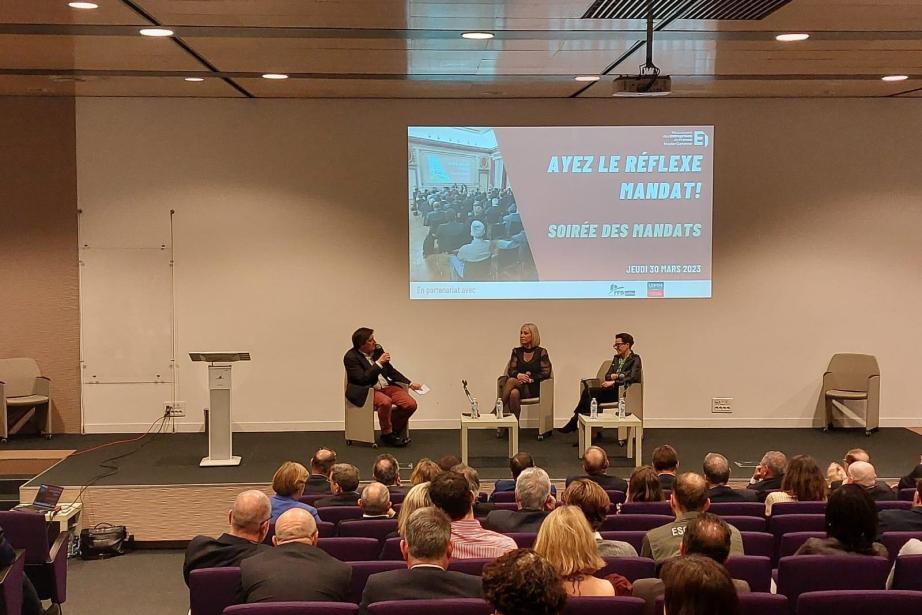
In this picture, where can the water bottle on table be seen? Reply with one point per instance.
(475, 409)
(622, 407)
(499, 407)
(594, 409)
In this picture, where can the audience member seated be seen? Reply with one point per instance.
(644, 486)
(288, 484)
(321, 465)
(665, 464)
(909, 481)
(863, 474)
(523, 583)
(424, 471)
(376, 502)
(249, 524)
(697, 585)
(453, 233)
(534, 500)
(708, 536)
(590, 498)
(344, 480)
(566, 541)
(451, 492)
(387, 472)
(837, 473)
(481, 509)
(803, 482)
(517, 463)
(295, 570)
(717, 474)
(426, 547)
(689, 499)
(903, 520)
(417, 497)
(447, 462)
(851, 526)
(768, 474)
(31, 603)
(478, 250)
(595, 467)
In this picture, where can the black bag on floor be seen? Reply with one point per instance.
(104, 540)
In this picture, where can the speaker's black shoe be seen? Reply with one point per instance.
(392, 440)
(570, 427)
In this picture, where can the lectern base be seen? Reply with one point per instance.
(208, 462)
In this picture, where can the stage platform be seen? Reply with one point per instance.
(162, 494)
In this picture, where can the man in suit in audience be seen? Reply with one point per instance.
(376, 502)
(517, 463)
(836, 473)
(595, 465)
(426, 547)
(535, 502)
(387, 472)
(768, 474)
(903, 520)
(717, 474)
(863, 474)
(249, 523)
(451, 492)
(296, 569)
(665, 464)
(707, 535)
(688, 500)
(344, 480)
(321, 464)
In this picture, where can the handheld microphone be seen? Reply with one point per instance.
(377, 352)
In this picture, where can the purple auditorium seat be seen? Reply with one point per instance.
(325, 529)
(11, 578)
(310, 499)
(469, 566)
(452, 606)
(397, 498)
(634, 538)
(335, 514)
(502, 496)
(523, 539)
(792, 541)
(891, 602)
(632, 522)
(785, 524)
(293, 608)
(615, 605)
(391, 550)
(362, 570)
(799, 508)
(908, 573)
(46, 559)
(351, 549)
(367, 528)
(745, 523)
(808, 573)
(646, 508)
(751, 604)
(907, 495)
(758, 543)
(892, 504)
(738, 509)
(754, 569)
(894, 541)
(211, 590)
(631, 568)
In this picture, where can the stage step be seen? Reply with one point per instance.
(9, 489)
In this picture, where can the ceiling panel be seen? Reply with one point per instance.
(21, 51)
(57, 12)
(40, 85)
(380, 88)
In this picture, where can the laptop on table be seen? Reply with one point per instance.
(46, 500)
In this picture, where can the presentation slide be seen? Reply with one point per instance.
(562, 212)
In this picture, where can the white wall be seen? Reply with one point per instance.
(290, 232)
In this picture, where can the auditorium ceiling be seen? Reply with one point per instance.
(414, 48)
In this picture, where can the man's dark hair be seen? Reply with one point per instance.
(851, 518)
(323, 461)
(361, 336)
(447, 462)
(451, 492)
(519, 462)
(627, 338)
(708, 535)
(697, 585)
(690, 491)
(385, 469)
(665, 458)
(522, 582)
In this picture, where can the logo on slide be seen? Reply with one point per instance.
(698, 138)
(620, 291)
(656, 289)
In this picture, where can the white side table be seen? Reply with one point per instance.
(490, 421)
(634, 433)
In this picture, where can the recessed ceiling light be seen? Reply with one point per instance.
(194, 79)
(791, 38)
(895, 78)
(83, 5)
(587, 77)
(477, 36)
(156, 32)
(275, 76)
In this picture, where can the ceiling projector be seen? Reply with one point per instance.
(641, 85)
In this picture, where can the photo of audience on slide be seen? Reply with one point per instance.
(464, 219)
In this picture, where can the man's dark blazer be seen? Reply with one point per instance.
(294, 572)
(422, 583)
(666, 481)
(482, 509)
(317, 484)
(722, 493)
(504, 521)
(508, 484)
(362, 375)
(347, 498)
(225, 550)
(881, 491)
(609, 483)
(900, 520)
(762, 487)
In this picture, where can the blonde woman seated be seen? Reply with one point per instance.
(567, 542)
(528, 366)
(288, 485)
(417, 497)
(424, 471)
(803, 482)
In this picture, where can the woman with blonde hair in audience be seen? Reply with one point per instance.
(566, 540)
(288, 484)
(644, 486)
(803, 482)
(417, 497)
(590, 498)
(424, 471)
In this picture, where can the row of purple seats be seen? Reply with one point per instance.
(396, 498)
(753, 603)
(907, 495)
(623, 605)
(752, 509)
(626, 522)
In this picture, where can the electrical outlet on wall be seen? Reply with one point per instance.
(174, 408)
(722, 405)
